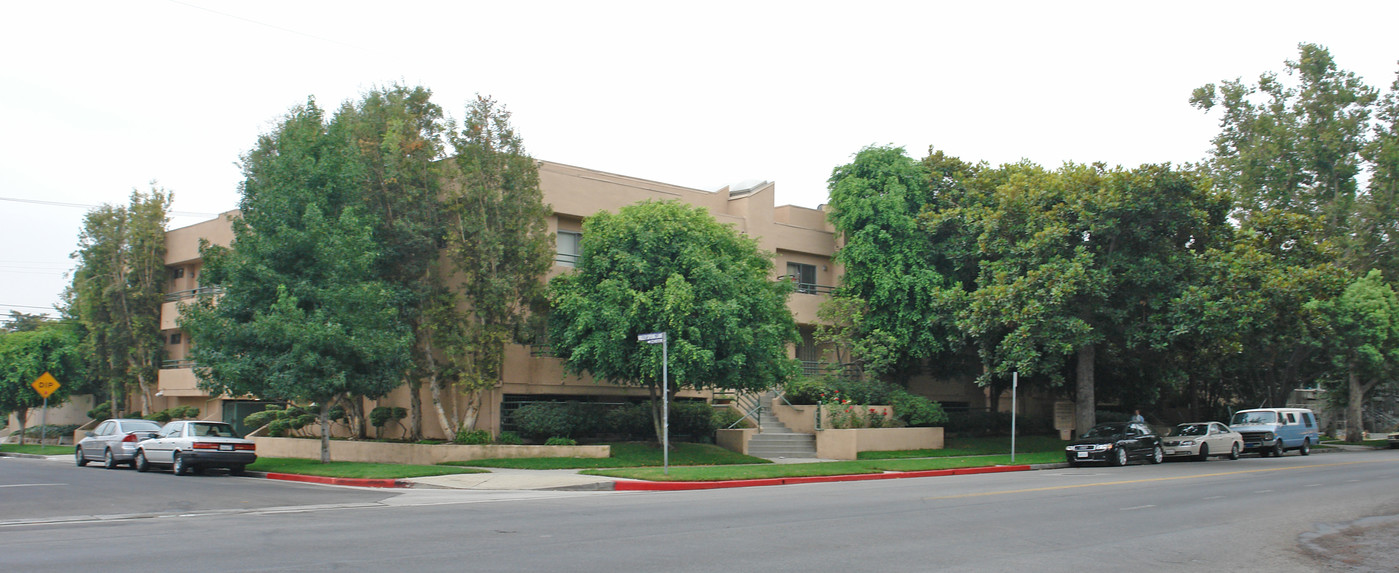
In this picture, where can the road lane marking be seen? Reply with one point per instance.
(1137, 507)
(32, 484)
(1149, 480)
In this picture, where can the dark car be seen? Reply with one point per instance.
(1116, 443)
(114, 441)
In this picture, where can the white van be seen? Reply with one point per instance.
(1272, 431)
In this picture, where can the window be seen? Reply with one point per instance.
(804, 275)
(1307, 419)
(177, 273)
(175, 338)
(570, 246)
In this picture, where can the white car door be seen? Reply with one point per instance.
(159, 449)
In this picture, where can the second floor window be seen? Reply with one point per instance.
(570, 246)
(804, 275)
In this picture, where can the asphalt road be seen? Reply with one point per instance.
(1256, 514)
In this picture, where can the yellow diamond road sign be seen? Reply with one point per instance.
(45, 385)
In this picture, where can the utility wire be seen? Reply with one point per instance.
(87, 206)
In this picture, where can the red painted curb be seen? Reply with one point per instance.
(357, 482)
(694, 485)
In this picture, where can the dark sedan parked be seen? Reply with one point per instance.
(114, 442)
(1116, 443)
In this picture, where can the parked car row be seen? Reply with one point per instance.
(184, 446)
(1267, 431)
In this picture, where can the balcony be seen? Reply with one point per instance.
(192, 293)
(843, 371)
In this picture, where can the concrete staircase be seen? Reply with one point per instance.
(776, 440)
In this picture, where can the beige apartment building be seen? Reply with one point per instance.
(801, 240)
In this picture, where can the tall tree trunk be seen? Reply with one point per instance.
(652, 390)
(473, 410)
(325, 431)
(22, 414)
(415, 410)
(1355, 405)
(1085, 407)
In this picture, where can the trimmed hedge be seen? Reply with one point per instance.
(911, 409)
(543, 420)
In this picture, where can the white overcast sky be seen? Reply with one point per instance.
(98, 98)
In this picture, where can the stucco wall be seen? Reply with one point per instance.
(846, 444)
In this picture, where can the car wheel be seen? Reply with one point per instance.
(1158, 455)
(1234, 451)
(177, 465)
(235, 470)
(1306, 447)
(78, 456)
(141, 463)
(1121, 458)
(1204, 452)
(108, 461)
(1278, 449)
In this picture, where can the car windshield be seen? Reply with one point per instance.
(1253, 418)
(1106, 431)
(1189, 430)
(140, 426)
(213, 430)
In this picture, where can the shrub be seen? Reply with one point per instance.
(560, 441)
(806, 391)
(915, 410)
(472, 437)
(101, 411)
(176, 413)
(51, 430)
(725, 417)
(382, 415)
(509, 439)
(570, 419)
(631, 420)
(692, 418)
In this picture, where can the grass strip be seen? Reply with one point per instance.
(958, 447)
(366, 470)
(36, 449)
(719, 473)
(625, 455)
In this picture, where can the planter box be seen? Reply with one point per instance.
(415, 454)
(846, 444)
(802, 419)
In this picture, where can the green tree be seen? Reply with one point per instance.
(669, 267)
(1079, 258)
(891, 265)
(1363, 328)
(398, 133)
(117, 290)
(1299, 150)
(306, 312)
(499, 245)
(54, 347)
(23, 322)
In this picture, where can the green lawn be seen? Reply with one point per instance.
(710, 473)
(625, 455)
(352, 469)
(36, 449)
(955, 447)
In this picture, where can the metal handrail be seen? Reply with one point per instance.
(807, 288)
(751, 406)
(168, 364)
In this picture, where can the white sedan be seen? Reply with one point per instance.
(1200, 440)
(193, 445)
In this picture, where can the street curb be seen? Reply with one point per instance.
(697, 485)
(356, 482)
(19, 455)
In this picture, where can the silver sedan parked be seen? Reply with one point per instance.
(1200, 440)
(191, 446)
(113, 442)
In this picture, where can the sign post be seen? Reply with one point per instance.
(45, 384)
(660, 338)
(1014, 385)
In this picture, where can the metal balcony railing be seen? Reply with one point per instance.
(170, 364)
(191, 293)
(847, 370)
(807, 288)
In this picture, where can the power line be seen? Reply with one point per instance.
(88, 206)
